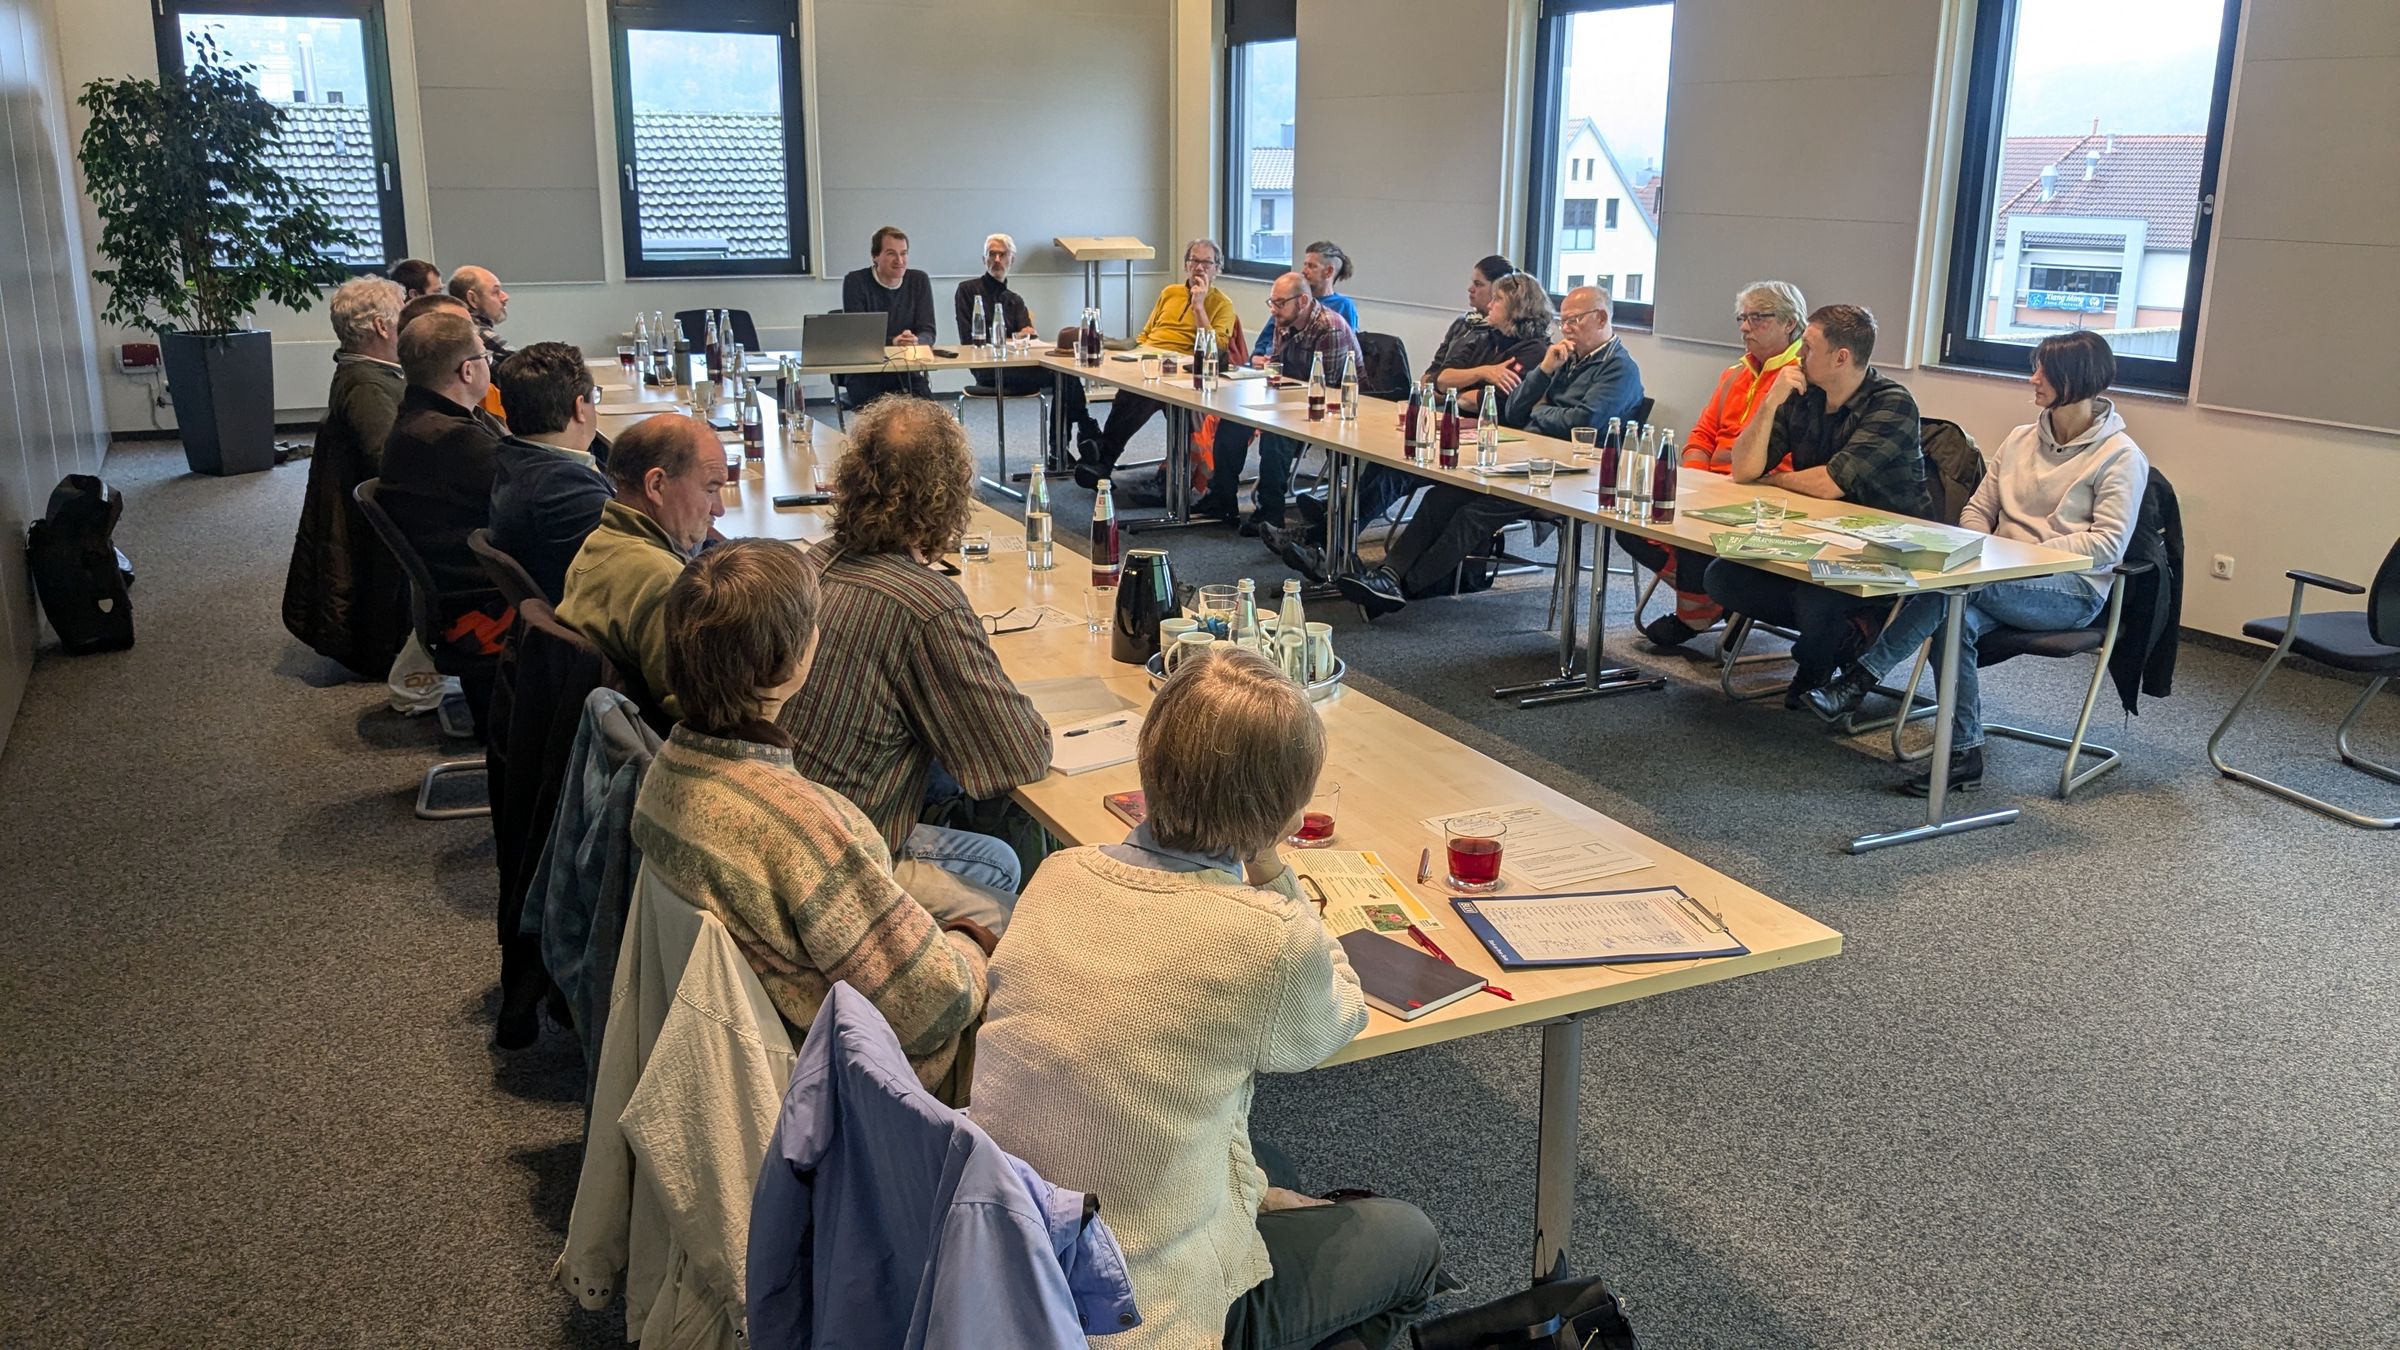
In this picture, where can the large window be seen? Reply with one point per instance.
(2088, 180)
(1260, 80)
(709, 168)
(322, 63)
(1600, 136)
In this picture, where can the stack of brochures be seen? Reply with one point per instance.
(1770, 547)
(1850, 572)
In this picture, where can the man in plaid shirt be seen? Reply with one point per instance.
(1307, 329)
(1833, 427)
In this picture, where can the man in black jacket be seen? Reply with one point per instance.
(548, 489)
(344, 595)
(1005, 312)
(904, 296)
(439, 464)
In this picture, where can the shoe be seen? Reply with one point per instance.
(1217, 508)
(1312, 509)
(1840, 698)
(1377, 592)
(1966, 774)
(1297, 553)
(517, 1030)
(1254, 523)
(1087, 476)
(1668, 633)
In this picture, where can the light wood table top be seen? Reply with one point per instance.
(1103, 247)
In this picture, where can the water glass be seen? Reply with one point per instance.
(1274, 374)
(1474, 852)
(1215, 607)
(1191, 644)
(1291, 655)
(1317, 821)
(1587, 442)
(1540, 473)
(625, 355)
(1766, 515)
(1099, 610)
(975, 547)
(1149, 367)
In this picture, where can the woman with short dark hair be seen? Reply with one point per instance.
(2070, 479)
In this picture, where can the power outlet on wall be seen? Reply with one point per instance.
(2221, 567)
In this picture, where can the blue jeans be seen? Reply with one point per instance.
(957, 874)
(2036, 604)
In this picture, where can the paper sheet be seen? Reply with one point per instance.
(1544, 851)
(1360, 892)
(1072, 699)
(1620, 924)
(1095, 742)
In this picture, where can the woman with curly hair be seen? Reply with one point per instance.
(908, 708)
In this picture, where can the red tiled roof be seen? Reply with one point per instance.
(2150, 178)
(1271, 168)
(1647, 194)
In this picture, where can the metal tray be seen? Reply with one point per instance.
(1320, 689)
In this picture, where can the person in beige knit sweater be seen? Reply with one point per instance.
(1142, 989)
(797, 874)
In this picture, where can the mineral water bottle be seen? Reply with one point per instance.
(1663, 481)
(1450, 428)
(662, 349)
(1108, 554)
(1487, 430)
(754, 426)
(1037, 522)
(1291, 618)
(1245, 615)
(1316, 388)
(975, 329)
(1612, 454)
(641, 344)
(1350, 387)
(1637, 475)
(1208, 362)
(716, 350)
(1412, 428)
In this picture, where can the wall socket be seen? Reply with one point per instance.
(2221, 567)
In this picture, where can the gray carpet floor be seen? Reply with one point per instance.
(2121, 1074)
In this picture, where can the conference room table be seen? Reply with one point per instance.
(1395, 774)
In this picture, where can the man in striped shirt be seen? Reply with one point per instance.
(906, 684)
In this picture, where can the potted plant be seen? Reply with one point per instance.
(200, 225)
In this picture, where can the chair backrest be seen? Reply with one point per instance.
(1957, 463)
(1641, 411)
(694, 323)
(516, 584)
(1383, 366)
(422, 596)
(2383, 600)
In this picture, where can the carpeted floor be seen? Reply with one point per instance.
(2121, 1074)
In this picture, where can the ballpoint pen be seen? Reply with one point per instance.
(1417, 935)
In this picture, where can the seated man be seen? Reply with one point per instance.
(417, 277)
(908, 681)
(1173, 325)
(796, 874)
(1312, 332)
(1768, 314)
(1323, 265)
(1851, 435)
(438, 466)
(344, 595)
(548, 491)
(669, 473)
(1584, 379)
(481, 292)
(904, 296)
(1005, 315)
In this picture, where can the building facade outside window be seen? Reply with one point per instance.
(1600, 110)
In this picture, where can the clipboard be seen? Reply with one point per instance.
(1654, 923)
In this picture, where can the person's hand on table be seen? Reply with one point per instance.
(907, 338)
(1258, 360)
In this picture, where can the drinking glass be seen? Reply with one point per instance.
(1474, 852)
(1587, 441)
(1215, 607)
(1540, 473)
(1316, 823)
(625, 352)
(1149, 367)
(1766, 515)
(1190, 645)
(1099, 609)
(975, 547)
(1274, 374)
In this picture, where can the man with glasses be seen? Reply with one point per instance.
(1173, 324)
(548, 488)
(1585, 378)
(1311, 330)
(438, 466)
(668, 472)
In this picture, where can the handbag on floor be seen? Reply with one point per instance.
(1560, 1315)
(77, 570)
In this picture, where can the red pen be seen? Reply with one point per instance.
(1417, 935)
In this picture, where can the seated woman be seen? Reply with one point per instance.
(2070, 479)
(1144, 986)
(795, 873)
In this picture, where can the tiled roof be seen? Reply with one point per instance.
(2149, 178)
(712, 184)
(1271, 168)
(1647, 194)
(331, 147)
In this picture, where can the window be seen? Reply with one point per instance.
(1261, 100)
(1606, 281)
(1575, 225)
(1633, 288)
(322, 62)
(1600, 116)
(1574, 279)
(710, 180)
(2088, 181)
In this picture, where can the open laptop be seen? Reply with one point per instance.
(842, 339)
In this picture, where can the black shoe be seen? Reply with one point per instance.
(1087, 476)
(1841, 698)
(1217, 508)
(1668, 633)
(1377, 592)
(1966, 774)
(1254, 523)
(517, 1029)
(1293, 547)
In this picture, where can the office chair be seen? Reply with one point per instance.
(424, 612)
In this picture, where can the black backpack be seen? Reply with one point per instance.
(77, 571)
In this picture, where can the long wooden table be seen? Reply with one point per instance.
(1394, 772)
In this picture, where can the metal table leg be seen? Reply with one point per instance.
(1000, 426)
(1598, 679)
(1938, 782)
(1341, 521)
(1560, 1140)
(1179, 474)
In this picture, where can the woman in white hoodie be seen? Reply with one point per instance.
(2071, 479)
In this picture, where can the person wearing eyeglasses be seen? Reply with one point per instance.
(667, 474)
(1769, 316)
(909, 710)
(1585, 378)
(1312, 331)
(547, 489)
(442, 455)
(1174, 323)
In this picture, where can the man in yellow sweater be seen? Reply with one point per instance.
(1173, 324)
(669, 473)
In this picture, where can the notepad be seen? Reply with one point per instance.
(1095, 742)
(1597, 928)
(1403, 981)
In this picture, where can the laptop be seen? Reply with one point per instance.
(842, 339)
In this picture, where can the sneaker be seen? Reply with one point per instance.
(1966, 774)
(1253, 524)
(1297, 553)
(1840, 698)
(1668, 632)
(1377, 592)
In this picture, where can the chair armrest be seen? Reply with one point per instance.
(2133, 569)
(2329, 583)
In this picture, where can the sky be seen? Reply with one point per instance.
(705, 72)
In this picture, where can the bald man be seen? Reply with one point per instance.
(484, 297)
(668, 473)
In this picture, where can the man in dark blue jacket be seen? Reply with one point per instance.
(547, 491)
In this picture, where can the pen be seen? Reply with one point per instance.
(1086, 731)
(1417, 935)
(1424, 865)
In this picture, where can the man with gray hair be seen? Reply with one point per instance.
(1005, 315)
(344, 595)
(1174, 323)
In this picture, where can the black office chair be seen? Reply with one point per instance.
(516, 585)
(2360, 641)
(694, 323)
(1514, 564)
(424, 612)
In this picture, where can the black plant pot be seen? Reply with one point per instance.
(224, 392)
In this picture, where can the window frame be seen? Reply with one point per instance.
(1231, 225)
(1544, 199)
(1588, 231)
(167, 32)
(710, 16)
(1978, 180)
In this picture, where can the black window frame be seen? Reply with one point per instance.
(1978, 181)
(391, 209)
(1543, 201)
(778, 20)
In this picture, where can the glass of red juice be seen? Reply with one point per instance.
(1474, 845)
(1316, 823)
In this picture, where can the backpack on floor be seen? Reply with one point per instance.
(1568, 1314)
(77, 570)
